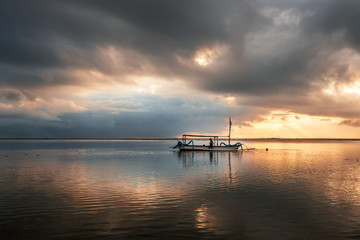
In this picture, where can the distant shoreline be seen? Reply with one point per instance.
(177, 139)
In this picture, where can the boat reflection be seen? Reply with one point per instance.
(230, 175)
(188, 159)
(198, 159)
(239, 156)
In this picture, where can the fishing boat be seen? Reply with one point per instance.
(187, 143)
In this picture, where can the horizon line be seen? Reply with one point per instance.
(176, 138)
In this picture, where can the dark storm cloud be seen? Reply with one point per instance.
(336, 16)
(264, 76)
(178, 24)
(10, 96)
(66, 34)
(324, 27)
(162, 118)
(276, 53)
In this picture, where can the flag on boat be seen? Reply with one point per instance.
(230, 123)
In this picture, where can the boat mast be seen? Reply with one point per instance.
(229, 129)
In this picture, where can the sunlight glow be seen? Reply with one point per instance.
(354, 88)
(343, 78)
(202, 61)
(284, 124)
(204, 57)
(208, 55)
(230, 100)
(152, 88)
(343, 89)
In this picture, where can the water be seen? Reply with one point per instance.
(143, 189)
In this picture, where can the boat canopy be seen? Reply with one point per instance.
(191, 136)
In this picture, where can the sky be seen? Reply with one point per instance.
(131, 68)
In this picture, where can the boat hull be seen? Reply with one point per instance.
(206, 148)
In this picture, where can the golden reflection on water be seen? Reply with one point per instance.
(328, 172)
(212, 188)
(344, 186)
(204, 219)
(330, 169)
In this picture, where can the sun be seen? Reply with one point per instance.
(202, 61)
(205, 56)
(210, 55)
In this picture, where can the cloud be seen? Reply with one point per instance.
(57, 56)
(336, 16)
(351, 123)
(10, 96)
(141, 116)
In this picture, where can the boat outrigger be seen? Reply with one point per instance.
(214, 145)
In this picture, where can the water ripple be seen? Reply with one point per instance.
(119, 190)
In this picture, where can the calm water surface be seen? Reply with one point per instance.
(143, 189)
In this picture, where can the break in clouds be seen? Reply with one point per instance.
(161, 68)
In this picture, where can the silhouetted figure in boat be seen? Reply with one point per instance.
(179, 144)
(211, 143)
